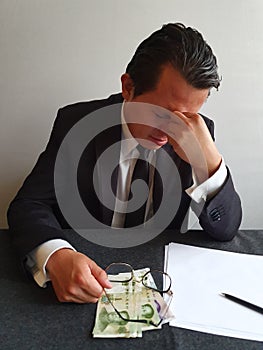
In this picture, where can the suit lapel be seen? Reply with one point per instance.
(107, 179)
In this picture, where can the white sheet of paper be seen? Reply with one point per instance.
(199, 275)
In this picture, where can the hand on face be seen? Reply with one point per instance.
(145, 123)
(192, 141)
(75, 277)
(187, 132)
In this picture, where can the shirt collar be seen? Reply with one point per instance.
(130, 142)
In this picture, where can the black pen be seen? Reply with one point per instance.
(243, 303)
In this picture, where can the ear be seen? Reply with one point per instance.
(127, 87)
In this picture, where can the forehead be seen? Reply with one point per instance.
(174, 93)
(177, 93)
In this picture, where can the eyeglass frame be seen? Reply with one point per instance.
(168, 291)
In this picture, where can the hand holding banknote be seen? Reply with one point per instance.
(131, 306)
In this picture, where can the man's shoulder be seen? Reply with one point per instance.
(80, 109)
(70, 114)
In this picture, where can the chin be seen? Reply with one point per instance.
(154, 147)
(149, 144)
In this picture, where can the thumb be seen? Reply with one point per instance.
(100, 275)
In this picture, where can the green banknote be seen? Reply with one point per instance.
(109, 324)
(134, 302)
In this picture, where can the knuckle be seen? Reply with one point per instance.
(63, 298)
(102, 274)
(198, 119)
(79, 279)
(67, 298)
(60, 298)
(69, 291)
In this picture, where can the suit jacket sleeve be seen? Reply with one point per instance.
(221, 215)
(32, 214)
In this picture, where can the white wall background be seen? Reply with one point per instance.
(56, 52)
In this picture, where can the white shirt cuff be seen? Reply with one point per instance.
(38, 258)
(210, 187)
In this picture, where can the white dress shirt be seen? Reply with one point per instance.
(38, 258)
(127, 161)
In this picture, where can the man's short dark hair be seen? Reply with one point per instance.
(184, 48)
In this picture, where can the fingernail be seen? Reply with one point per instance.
(109, 284)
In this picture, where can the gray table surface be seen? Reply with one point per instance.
(32, 318)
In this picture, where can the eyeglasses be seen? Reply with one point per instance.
(123, 279)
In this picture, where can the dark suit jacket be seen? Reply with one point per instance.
(34, 215)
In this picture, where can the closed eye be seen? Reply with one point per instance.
(162, 116)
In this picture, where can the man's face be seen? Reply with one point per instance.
(172, 93)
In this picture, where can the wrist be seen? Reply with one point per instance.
(202, 174)
(58, 256)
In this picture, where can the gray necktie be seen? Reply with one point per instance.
(141, 171)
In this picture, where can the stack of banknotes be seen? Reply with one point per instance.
(134, 301)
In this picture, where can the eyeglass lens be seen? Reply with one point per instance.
(156, 280)
(119, 272)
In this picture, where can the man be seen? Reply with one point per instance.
(147, 311)
(173, 70)
(111, 318)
